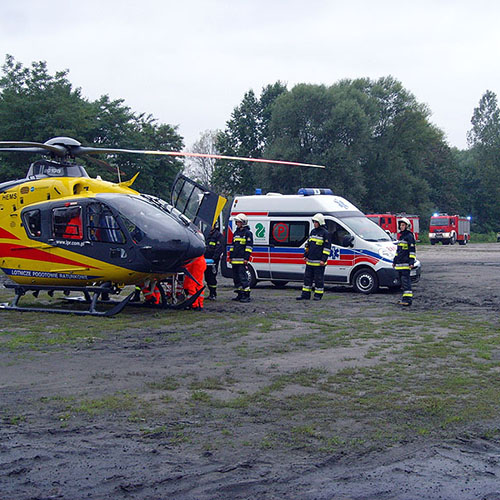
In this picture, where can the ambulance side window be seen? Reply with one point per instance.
(337, 232)
(289, 234)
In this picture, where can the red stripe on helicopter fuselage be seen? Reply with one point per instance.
(8, 236)
(22, 252)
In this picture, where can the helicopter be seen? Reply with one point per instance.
(63, 231)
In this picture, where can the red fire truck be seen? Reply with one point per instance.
(389, 223)
(448, 229)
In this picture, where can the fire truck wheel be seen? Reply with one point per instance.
(463, 242)
(453, 239)
(365, 281)
(433, 242)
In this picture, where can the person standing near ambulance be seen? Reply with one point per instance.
(239, 255)
(404, 259)
(316, 254)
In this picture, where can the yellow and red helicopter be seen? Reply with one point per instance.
(62, 231)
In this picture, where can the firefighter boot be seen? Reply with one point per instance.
(239, 296)
(245, 297)
(317, 296)
(213, 294)
(304, 296)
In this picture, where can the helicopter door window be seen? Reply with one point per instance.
(33, 223)
(103, 226)
(67, 223)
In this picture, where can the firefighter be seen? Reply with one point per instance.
(316, 254)
(213, 252)
(239, 255)
(404, 259)
(196, 268)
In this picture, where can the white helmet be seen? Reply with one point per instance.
(242, 218)
(319, 219)
(406, 221)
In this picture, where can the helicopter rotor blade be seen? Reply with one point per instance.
(88, 150)
(32, 147)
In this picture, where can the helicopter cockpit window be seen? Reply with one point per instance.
(187, 199)
(135, 232)
(103, 226)
(33, 223)
(67, 223)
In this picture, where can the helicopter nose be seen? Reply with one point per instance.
(171, 253)
(196, 247)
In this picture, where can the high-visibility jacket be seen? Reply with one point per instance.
(215, 246)
(318, 246)
(405, 253)
(74, 229)
(152, 296)
(242, 246)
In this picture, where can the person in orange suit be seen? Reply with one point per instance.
(197, 269)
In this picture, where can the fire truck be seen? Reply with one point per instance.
(449, 229)
(389, 223)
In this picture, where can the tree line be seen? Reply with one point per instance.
(380, 149)
(378, 145)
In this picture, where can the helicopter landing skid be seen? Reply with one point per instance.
(166, 303)
(91, 292)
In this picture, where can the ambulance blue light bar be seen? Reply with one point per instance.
(313, 191)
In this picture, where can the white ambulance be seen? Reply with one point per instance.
(361, 254)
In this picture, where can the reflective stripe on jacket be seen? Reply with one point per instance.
(242, 246)
(405, 253)
(318, 246)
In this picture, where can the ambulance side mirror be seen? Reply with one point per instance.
(348, 240)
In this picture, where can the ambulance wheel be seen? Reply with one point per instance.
(365, 281)
(279, 284)
(251, 276)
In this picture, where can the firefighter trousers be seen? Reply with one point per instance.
(404, 276)
(211, 278)
(314, 275)
(240, 277)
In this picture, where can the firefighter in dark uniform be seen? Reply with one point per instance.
(239, 255)
(316, 254)
(405, 259)
(213, 251)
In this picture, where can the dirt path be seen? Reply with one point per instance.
(270, 400)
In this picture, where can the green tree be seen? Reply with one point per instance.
(246, 135)
(484, 140)
(35, 106)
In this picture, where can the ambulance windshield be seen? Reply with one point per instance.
(366, 229)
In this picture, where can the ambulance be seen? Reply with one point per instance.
(361, 254)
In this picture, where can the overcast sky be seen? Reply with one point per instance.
(189, 62)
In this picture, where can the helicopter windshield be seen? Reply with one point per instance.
(140, 216)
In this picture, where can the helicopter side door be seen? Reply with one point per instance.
(197, 202)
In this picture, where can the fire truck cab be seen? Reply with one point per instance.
(448, 229)
(361, 254)
(389, 223)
